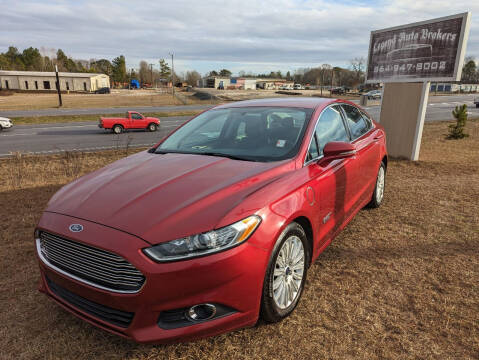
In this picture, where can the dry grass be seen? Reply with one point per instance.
(118, 98)
(400, 282)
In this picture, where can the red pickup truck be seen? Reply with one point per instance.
(132, 120)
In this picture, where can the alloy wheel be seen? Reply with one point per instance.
(288, 272)
(380, 185)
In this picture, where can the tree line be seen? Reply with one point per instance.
(32, 59)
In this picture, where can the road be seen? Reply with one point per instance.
(85, 136)
(51, 138)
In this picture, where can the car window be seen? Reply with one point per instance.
(253, 133)
(313, 151)
(330, 127)
(357, 125)
(367, 119)
(136, 116)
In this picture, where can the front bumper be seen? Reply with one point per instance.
(233, 278)
(6, 125)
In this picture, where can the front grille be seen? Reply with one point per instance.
(91, 265)
(116, 317)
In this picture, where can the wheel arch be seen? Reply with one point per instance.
(308, 229)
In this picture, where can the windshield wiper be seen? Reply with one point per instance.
(229, 156)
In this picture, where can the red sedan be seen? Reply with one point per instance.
(216, 225)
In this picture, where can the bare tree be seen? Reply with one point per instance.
(358, 65)
(192, 77)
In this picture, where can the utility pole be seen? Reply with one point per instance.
(60, 104)
(172, 75)
(151, 74)
(129, 83)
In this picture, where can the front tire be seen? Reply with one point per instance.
(378, 194)
(286, 274)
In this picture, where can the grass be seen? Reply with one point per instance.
(400, 282)
(80, 118)
(118, 98)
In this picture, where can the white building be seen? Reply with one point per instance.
(45, 81)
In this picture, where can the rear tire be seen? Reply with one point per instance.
(286, 274)
(152, 127)
(117, 129)
(378, 194)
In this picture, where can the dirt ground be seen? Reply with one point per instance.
(122, 98)
(400, 282)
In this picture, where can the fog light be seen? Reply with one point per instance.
(201, 312)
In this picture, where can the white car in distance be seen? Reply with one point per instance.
(5, 123)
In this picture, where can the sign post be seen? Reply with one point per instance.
(406, 58)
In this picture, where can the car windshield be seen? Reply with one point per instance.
(249, 133)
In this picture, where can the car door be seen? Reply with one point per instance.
(332, 181)
(137, 121)
(367, 147)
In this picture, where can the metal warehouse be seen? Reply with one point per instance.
(39, 81)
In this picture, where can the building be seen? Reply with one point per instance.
(243, 83)
(273, 84)
(451, 87)
(215, 82)
(45, 81)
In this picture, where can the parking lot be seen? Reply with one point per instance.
(399, 283)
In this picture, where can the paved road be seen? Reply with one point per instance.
(95, 111)
(86, 136)
(436, 111)
(49, 138)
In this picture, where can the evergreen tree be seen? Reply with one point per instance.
(456, 131)
(119, 69)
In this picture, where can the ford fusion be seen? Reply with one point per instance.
(217, 224)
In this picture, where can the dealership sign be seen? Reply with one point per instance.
(430, 50)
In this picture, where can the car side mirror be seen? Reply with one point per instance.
(338, 150)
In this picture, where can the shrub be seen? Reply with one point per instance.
(456, 131)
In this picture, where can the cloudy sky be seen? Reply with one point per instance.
(249, 35)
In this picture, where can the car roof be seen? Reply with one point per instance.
(293, 102)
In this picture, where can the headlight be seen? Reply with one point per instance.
(206, 243)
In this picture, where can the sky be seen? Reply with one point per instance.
(256, 36)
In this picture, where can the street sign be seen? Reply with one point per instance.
(430, 50)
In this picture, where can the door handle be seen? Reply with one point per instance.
(378, 137)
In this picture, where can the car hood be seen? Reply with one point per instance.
(161, 197)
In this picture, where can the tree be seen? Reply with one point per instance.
(358, 65)
(144, 72)
(14, 58)
(192, 77)
(456, 131)
(165, 70)
(225, 72)
(32, 59)
(119, 69)
(469, 72)
(212, 73)
(103, 66)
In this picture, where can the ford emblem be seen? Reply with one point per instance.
(76, 227)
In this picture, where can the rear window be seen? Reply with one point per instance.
(357, 124)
